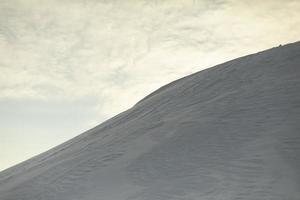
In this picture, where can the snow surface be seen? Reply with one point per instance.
(231, 132)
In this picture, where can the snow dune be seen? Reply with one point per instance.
(231, 132)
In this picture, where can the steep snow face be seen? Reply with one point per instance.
(229, 132)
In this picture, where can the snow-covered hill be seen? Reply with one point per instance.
(231, 132)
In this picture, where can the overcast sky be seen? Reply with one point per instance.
(67, 65)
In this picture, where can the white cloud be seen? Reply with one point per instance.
(68, 49)
(116, 52)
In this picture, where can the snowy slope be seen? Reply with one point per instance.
(231, 132)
